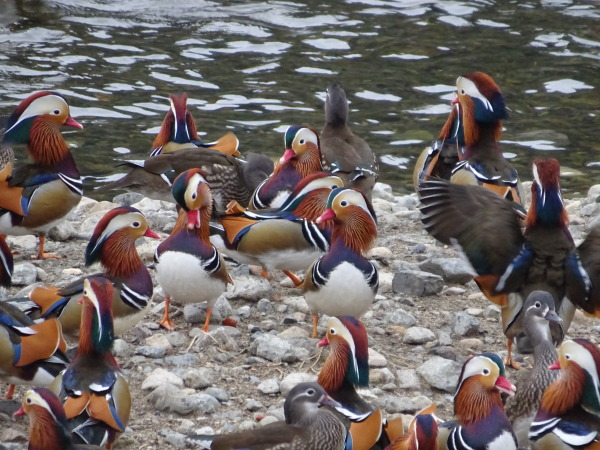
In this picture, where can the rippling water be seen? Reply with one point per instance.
(256, 67)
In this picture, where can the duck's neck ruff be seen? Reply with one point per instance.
(96, 334)
(128, 261)
(305, 164)
(474, 402)
(203, 231)
(357, 232)
(446, 132)
(46, 145)
(333, 373)
(564, 393)
(45, 432)
(313, 205)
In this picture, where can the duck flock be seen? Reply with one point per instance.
(309, 215)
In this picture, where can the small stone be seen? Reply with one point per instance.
(395, 405)
(418, 283)
(455, 290)
(408, 379)
(150, 351)
(475, 312)
(464, 324)
(244, 311)
(254, 405)
(64, 231)
(220, 394)
(383, 191)
(400, 317)
(198, 378)
(440, 373)
(195, 312)
(418, 335)
(266, 420)
(382, 254)
(269, 386)
(453, 270)
(159, 377)
(294, 332)
(187, 359)
(273, 348)
(297, 304)
(293, 379)
(128, 198)
(264, 306)
(445, 351)
(376, 359)
(159, 340)
(472, 345)
(444, 338)
(491, 311)
(381, 376)
(24, 274)
(121, 349)
(72, 271)
(177, 339)
(250, 289)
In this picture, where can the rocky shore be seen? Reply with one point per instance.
(428, 317)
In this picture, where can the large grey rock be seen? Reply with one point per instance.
(408, 379)
(453, 270)
(396, 405)
(128, 198)
(418, 283)
(269, 386)
(64, 231)
(168, 398)
(198, 378)
(464, 324)
(400, 317)
(418, 335)
(273, 348)
(376, 359)
(24, 274)
(150, 351)
(159, 377)
(440, 373)
(293, 379)
(249, 288)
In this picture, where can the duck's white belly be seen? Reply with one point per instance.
(345, 294)
(503, 442)
(185, 281)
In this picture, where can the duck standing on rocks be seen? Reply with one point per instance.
(569, 413)
(188, 267)
(38, 195)
(287, 238)
(48, 425)
(31, 353)
(343, 281)
(481, 422)
(522, 407)
(344, 153)
(93, 390)
(345, 369)
(113, 246)
(509, 261)
(301, 158)
(310, 424)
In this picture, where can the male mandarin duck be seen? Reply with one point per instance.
(481, 422)
(310, 424)
(177, 147)
(521, 408)
(481, 161)
(344, 153)
(343, 281)
(569, 413)
(93, 390)
(48, 425)
(31, 352)
(38, 195)
(345, 369)
(508, 261)
(188, 267)
(438, 160)
(287, 238)
(421, 434)
(301, 158)
(113, 246)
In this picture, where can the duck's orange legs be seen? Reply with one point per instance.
(41, 254)
(315, 318)
(509, 359)
(10, 393)
(166, 322)
(297, 281)
(208, 313)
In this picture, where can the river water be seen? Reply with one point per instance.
(256, 67)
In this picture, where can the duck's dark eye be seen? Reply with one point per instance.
(85, 293)
(486, 371)
(334, 186)
(56, 111)
(28, 400)
(302, 141)
(194, 196)
(567, 356)
(135, 224)
(462, 91)
(311, 392)
(344, 203)
(332, 331)
(538, 304)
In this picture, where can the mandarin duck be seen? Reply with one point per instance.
(93, 390)
(301, 158)
(481, 422)
(177, 147)
(522, 407)
(188, 267)
(113, 246)
(344, 153)
(482, 110)
(38, 195)
(48, 425)
(343, 281)
(347, 368)
(287, 238)
(310, 424)
(438, 159)
(508, 261)
(31, 352)
(569, 413)
(421, 434)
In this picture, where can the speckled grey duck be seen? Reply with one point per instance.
(307, 425)
(345, 154)
(522, 407)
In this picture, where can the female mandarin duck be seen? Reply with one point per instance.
(343, 281)
(344, 153)
(188, 267)
(48, 425)
(521, 408)
(508, 261)
(39, 195)
(287, 238)
(438, 160)
(308, 426)
(346, 368)
(31, 353)
(113, 246)
(421, 434)
(481, 422)
(93, 390)
(301, 158)
(482, 163)
(569, 414)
